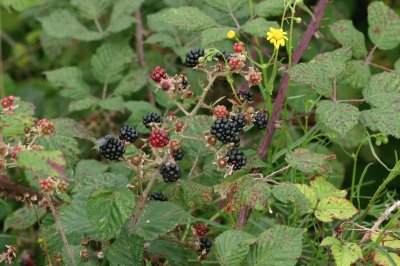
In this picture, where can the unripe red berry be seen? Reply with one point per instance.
(200, 230)
(7, 101)
(165, 84)
(158, 73)
(159, 138)
(238, 47)
(235, 64)
(220, 111)
(46, 127)
(47, 185)
(178, 124)
(174, 145)
(254, 77)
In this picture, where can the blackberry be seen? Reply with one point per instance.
(178, 155)
(236, 158)
(239, 120)
(193, 56)
(170, 172)
(159, 138)
(260, 120)
(158, 73)
(151, 118)
(128, 133)
(226, 131)
(200, 229)
(158, 196)
(220, 56)
(112, 149)
(205, 245)
(246, 95)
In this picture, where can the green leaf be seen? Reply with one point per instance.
(108, 208)
(133, 82)
(347, 35)
(226, 5)
(321, 71)
(309, 194)
(357, 74)
(70, 128)
(23, 218)
(87, 168)
(386, 241)
(13, 125)
(213, 35)
(110, 60)
(384, 26)
(382, 120)
(232, 247)
(20, 5)
(338, 117)
(50, 163)
(307, 161)
(334, 208)
(176, 254)
(163, 39)
(69, 78)
(196, 195)
(397, 65)
(83, 104)
(323, 189)
(383, 90)
(67, 145)
(127, 250)
(381, 259)
(158, 219)
(277, 246)
(269, 8)
(91, 9)
(289, 193)
(345, 254)
(187, 18)
(139, 109)
(121, 15)
(62, 24)
(259, 27)
(114, 104)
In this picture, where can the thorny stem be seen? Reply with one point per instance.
(6, 184)
(369, 56)
(60, 229)
(276, 172)
(235, 20)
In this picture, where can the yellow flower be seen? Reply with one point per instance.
(276, 37)
(230, 34)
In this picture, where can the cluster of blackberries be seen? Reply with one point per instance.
(236, 158)
(227, 130)
(192, 57)
(158, 196)
(205, 245)
(260, 119)
(170, 172)
(151, 118)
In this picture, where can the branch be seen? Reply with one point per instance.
(312, 27)
(17, 188)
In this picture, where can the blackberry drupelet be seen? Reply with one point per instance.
(239, 120)
(158, 196)
(178, 154)
(260, 120)
(128, 133)
(226, 131)
(170, 172)
(220, 56)
(205, 245)
(151, 118)
(246, 95)
(193, 56)
(236, 158)
(112, 149)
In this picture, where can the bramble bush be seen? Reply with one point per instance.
(224, 132)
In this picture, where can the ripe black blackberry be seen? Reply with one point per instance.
(260, 119)
(236, 158)
(205, 245)
(170, 172)
(246, 95)
(193, 56)
(112, 149)
(226, 131)
(128, 133)
(178, 154)
(151, 118)
(239, 120)
(220, 56)
(158, 196)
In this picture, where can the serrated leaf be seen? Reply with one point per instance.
(163, 39)
(338, 117)
(13, 125)
(139, 109)
(110, 60)
(213, 35)
(347, 35)
(345, 254)
(334, 208)
(383, 90)
(83, 104)
(158, 219)
(70, 128)
(67, 145)
(50, 163)
(133, 82)
(176, 254)
(381, 259)
(113, 104)
(309, 194)
(289, 193)
(277, 246)
(357, 74)
(386, 241)
(20, 5)
(70, 78)
(320, 72)
(121, 15)
(308, 161)
(87, 168)
(62, 24)
(232, 247)
(196, 195)
(259, 27)
(187, 18)
(269, 8)
(108, 208)
(127, 250)
(225, 5)
(91, 9)
(323, 189)
(253, 161)
(382, 120)
(384, 26)
(22, 218)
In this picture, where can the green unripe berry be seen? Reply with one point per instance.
(378, 142)
(201, 60)
(385, 140)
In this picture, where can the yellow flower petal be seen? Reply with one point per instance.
(231, 34)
